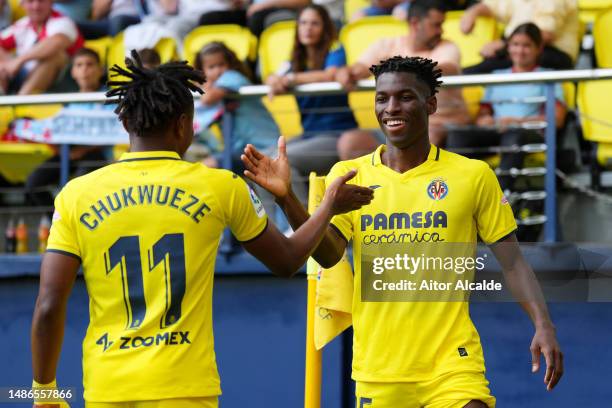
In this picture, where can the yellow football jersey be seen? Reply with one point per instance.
(147, 229)
(446, 199)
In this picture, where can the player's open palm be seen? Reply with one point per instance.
(545, 343)
(272, 174)
(347, 197)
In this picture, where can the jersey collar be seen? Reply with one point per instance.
(434, 154)
(154, 155)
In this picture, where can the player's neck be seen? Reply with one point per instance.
(404, 159)
(151, 144)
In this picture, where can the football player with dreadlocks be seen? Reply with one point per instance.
(145, 231)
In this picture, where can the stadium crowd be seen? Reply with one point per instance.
(41, 51)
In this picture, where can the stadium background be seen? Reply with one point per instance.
(260, 320)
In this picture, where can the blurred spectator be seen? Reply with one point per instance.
(110, 17)
(224, 12)
(503, 106)
(262, 13)
(558, 20)
(377, 8)
(324, 118)
(424, 39)
(42, 42)
(176, 18)
(77, 10)
(87, 71)
(252, 123)
(401, 10)
(525, 45)
(5, 14)
(149, 58)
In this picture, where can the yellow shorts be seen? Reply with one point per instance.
(198, 402)
(451, 390)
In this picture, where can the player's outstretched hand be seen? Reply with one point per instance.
(545, 342)
(347, 197)
(62, 404)
(272, 174)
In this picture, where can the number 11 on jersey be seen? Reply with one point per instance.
(169, 250)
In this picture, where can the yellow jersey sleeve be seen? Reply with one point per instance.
(494, 217)
(62, 236)
(343, 223)
(244, 211)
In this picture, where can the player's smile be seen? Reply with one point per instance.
(395, 124)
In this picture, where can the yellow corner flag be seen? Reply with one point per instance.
(330, 295)
(334, 296)
(333, 303)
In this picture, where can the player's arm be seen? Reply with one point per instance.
(282, 255)
(274, 175)
(57, 275)
(332, 245)
(524, 286)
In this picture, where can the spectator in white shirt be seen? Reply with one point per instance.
(35, 50)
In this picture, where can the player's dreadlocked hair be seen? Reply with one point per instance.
(153, 98)
(424, 69)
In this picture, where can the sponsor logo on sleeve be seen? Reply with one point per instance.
(257, 204)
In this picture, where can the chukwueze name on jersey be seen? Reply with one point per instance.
(149, 194)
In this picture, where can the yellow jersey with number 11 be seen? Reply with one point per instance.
(147, 229)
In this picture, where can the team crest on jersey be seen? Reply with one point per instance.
(257, 204)
(437, 189)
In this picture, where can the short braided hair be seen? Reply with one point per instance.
(423, 68)
(153, 98)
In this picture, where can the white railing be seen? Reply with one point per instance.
(323, 88)
(547, 77)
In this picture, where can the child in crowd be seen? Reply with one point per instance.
(252, 122)
(87, 72)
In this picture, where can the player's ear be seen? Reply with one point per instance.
(181, 126)
(124, 123)
(432, 104)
